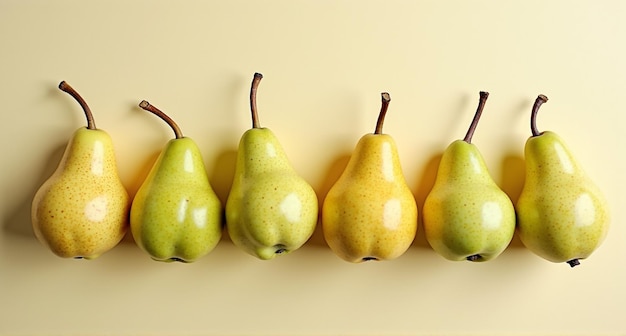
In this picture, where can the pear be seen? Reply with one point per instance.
(466, 216)
(81, 211)
(270, 209)
(370, 213)
(562, 215)
(176, 215)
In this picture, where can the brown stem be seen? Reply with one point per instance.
(91, 124)
(386, 98)
(479, 111)
(255, 84)
(533, 115)
(151, 108)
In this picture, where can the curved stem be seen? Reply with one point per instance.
(479, 111)
(533, 115)
(151, 108)
(255, 84)
(63, 86)
(386, 98)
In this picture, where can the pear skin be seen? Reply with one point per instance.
(562, 215)
(270, 210)
(81, 211)
(466, 215)
(176, 215)
(370, 213)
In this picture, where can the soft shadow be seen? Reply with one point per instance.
(221, 179)
(18, 222)
(334, 171)
(513, 177)
(222, 173)
(426, 182)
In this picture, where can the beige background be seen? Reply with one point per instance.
(325, 64)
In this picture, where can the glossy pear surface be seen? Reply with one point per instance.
(561, 213)
(81, 211)
(370, 212)
(466, 214)
(270, 210)
(176, 215)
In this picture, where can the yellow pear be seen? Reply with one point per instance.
(370, 213)
(562, 215)
(81, 211)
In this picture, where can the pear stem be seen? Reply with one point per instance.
(151, 108)
(255, 84)
(479, 111)
(63, 86)
(386, 98)
(573, 262)
(533, 115)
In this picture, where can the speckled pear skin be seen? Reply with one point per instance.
(562, 215)
(370, 213)
(176, 215)
(81, 211)
(270, 210)
(466, 213)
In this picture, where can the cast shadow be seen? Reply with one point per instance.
(426, 182)
(132, 188)
(513, 177)
(221, 179)
(18, 222)
(333, 172)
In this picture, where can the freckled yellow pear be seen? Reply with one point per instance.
(270, 210)
(81, 211)
(562, 215)
(466, 216)
(370, 213)
(176, 215)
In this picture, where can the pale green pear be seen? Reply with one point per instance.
(81, 211)
(370, 213)
(176, 215)
(562, 215)
(270, 210)
(466, 216)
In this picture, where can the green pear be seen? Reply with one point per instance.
(562, 215)
(176, 215)
(270, 209)
(81, 211)
(466, 216)
(370, 213)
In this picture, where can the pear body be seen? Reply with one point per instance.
(466, 214)
(176, 215)
(81, 211)
(370, 213)
(562, 215)
(270, 210)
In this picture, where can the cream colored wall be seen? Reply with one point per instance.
(325, 64)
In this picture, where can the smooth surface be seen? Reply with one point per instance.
(324, 66)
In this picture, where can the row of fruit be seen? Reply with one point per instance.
(83, 210)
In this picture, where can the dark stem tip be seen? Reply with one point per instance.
(474, 257)
(574, 262)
